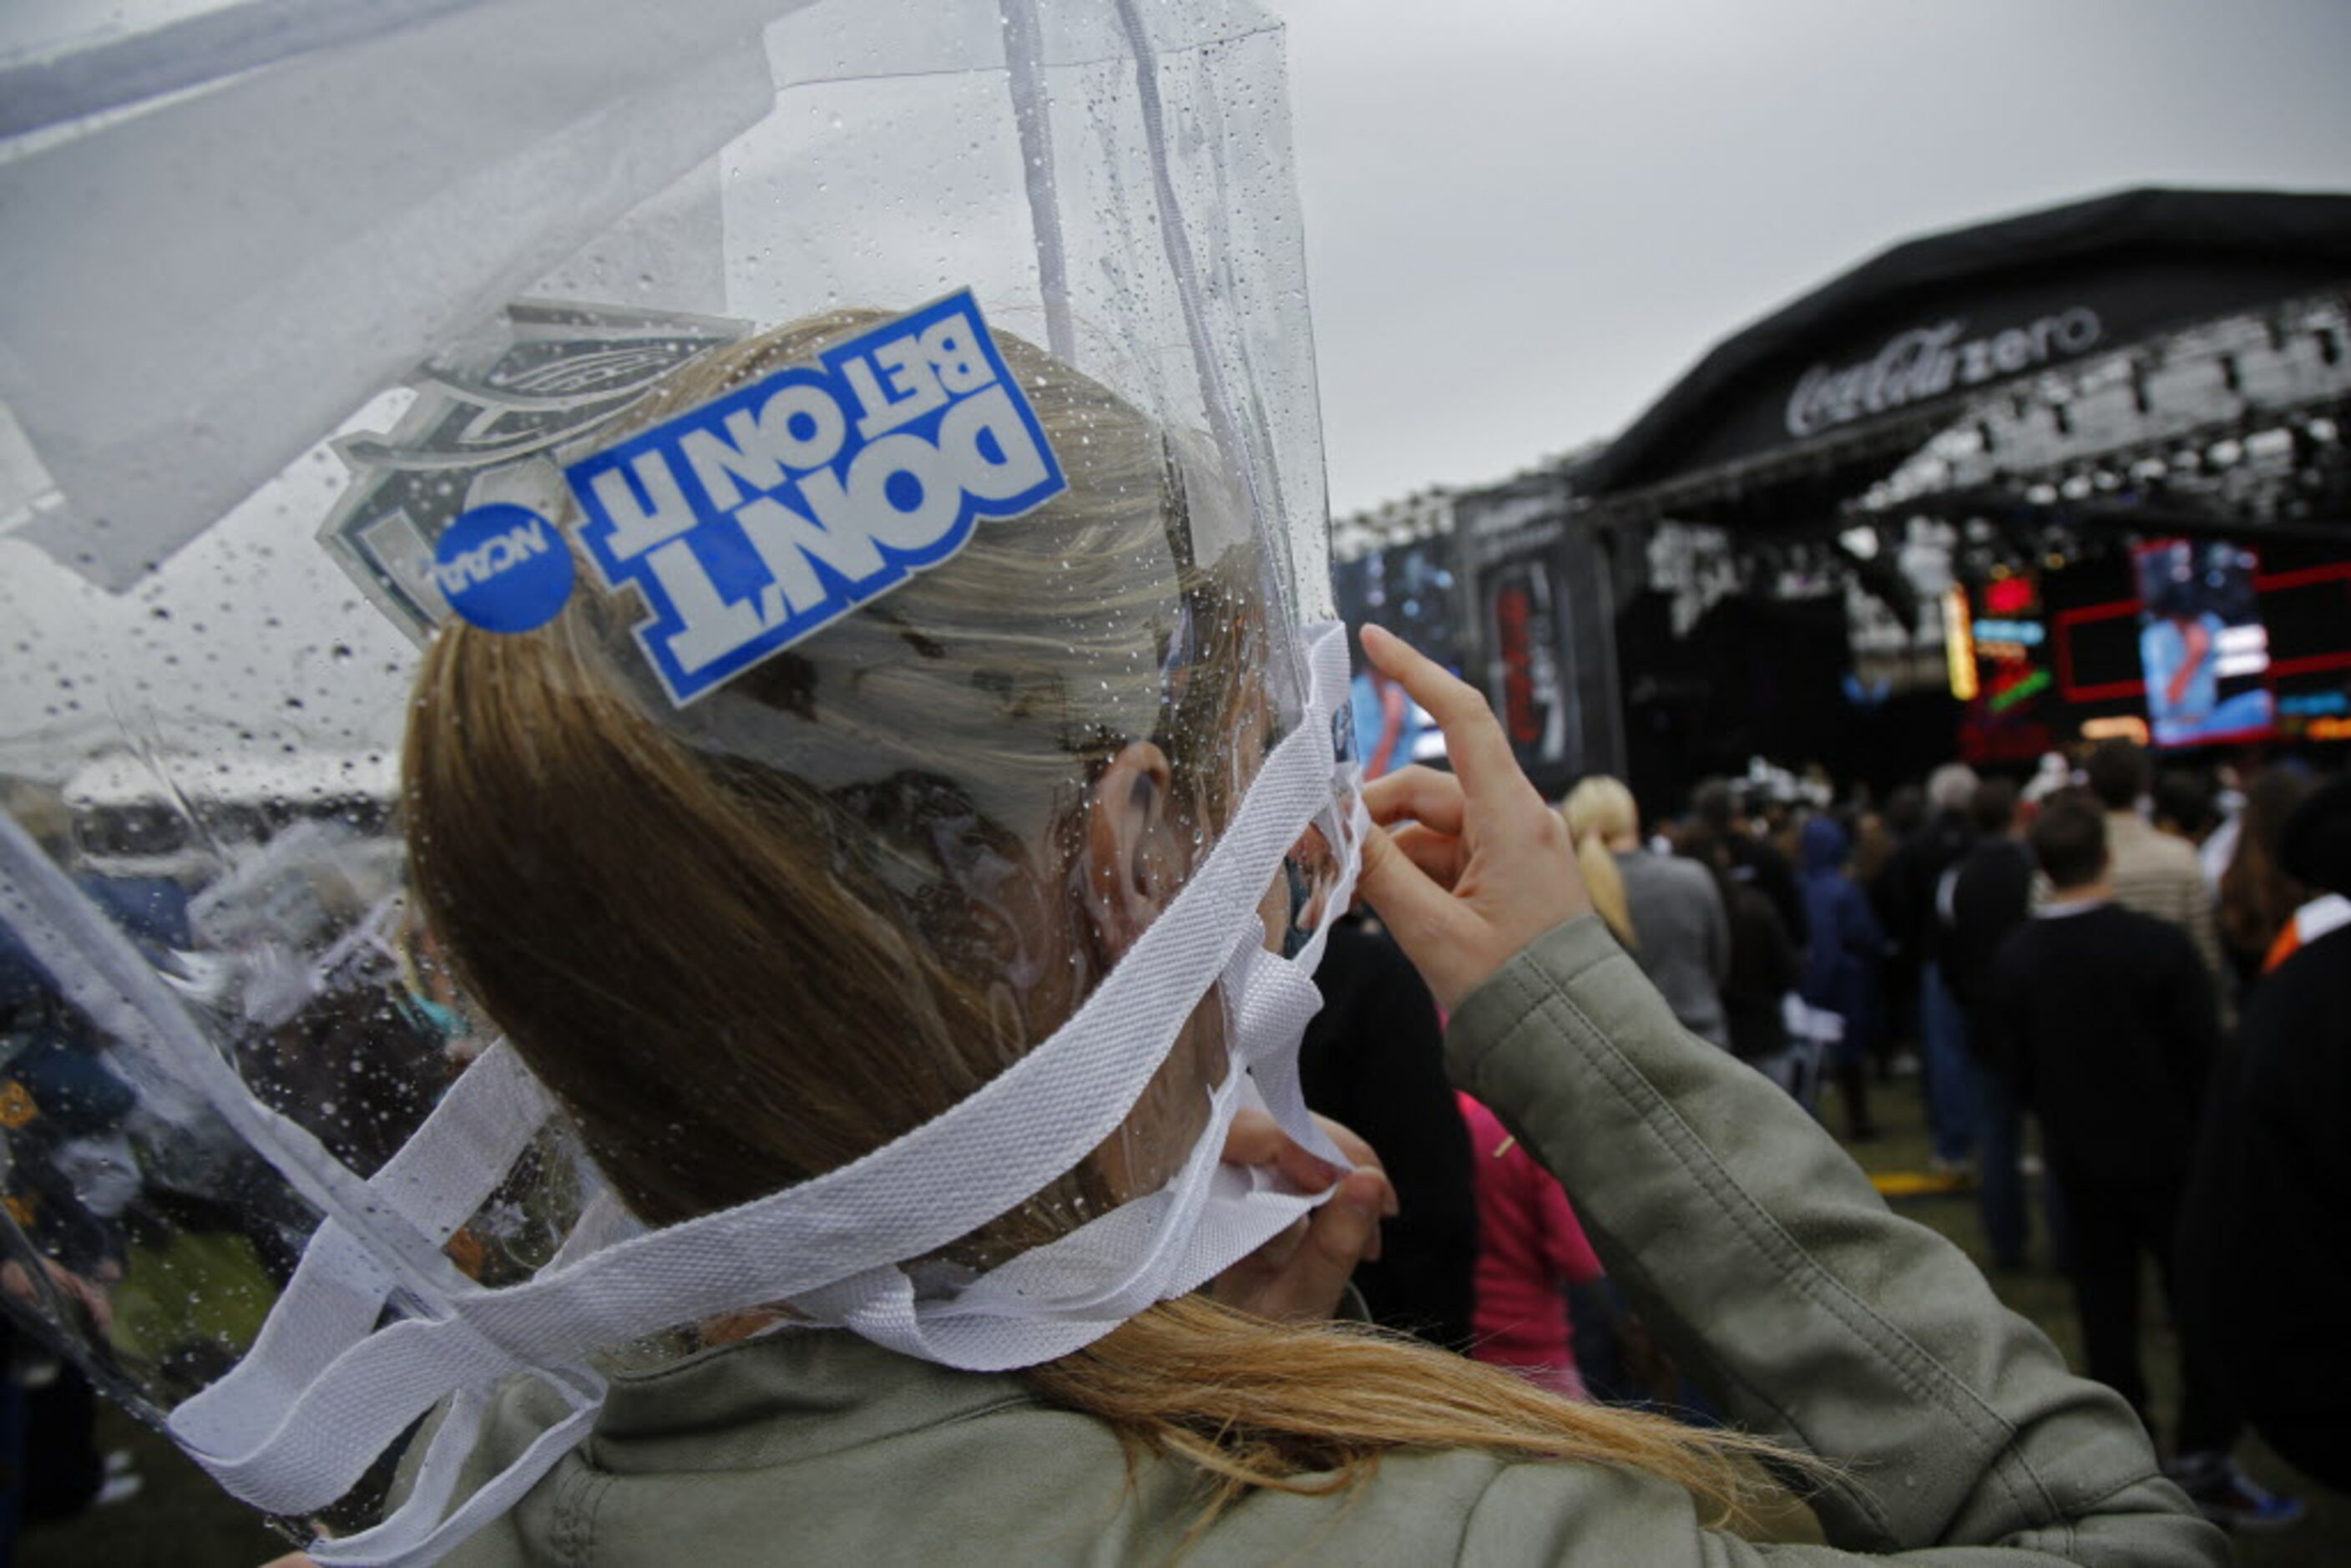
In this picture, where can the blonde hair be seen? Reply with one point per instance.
(1597, 810)
(1602, 805)
(737, 972)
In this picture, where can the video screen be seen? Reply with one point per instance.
(1408, 589)
(2203, 651)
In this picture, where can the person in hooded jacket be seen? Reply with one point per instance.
(1841, 965)
(1765, 963)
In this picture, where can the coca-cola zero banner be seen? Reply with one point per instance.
(1923, 326)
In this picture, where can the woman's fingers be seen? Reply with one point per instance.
(1300, 1276)
(1474, 742)
(1441, 857)
(1416, 794)
(1340, 1234)
(1351, 1143)
(1254, 1138)
(1274, 1255)
(1462, 901)
(1299, 1273)
(1257, 1139)
(1360, 1154)
(1404, 892)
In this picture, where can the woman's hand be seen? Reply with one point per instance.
(1465, 868)
(1300, 1275)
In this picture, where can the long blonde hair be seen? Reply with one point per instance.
(738, 970)
(1597, 810)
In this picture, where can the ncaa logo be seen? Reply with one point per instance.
(503, 568)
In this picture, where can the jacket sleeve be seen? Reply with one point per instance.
(1761, 1255)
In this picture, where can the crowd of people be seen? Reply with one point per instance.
(2148, 964)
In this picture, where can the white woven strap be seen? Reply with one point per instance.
(417, 1535)
(445, 1172)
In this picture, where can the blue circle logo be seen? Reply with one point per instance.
(503, 568)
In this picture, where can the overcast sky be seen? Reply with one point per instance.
(1544, 212)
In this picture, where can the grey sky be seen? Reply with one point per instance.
(1524, 220)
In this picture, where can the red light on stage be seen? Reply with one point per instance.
(2008, 595)
(1512, 613)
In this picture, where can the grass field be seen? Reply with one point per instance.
(179, 1520)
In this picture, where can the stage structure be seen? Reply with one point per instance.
(1996, 491)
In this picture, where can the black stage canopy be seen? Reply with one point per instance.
(1854, 376)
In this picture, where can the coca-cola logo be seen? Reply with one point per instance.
(1923, 363)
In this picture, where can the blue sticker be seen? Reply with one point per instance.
(503, 567)
(772, 512)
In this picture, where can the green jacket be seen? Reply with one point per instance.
(1750, 1244)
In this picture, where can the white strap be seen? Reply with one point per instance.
(415, 1535)
(1060, 1297)
(444, 1173)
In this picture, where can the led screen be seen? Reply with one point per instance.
(2203, 651)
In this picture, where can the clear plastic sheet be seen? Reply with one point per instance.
(291, 854)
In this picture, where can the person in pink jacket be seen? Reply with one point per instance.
(1529, 1249)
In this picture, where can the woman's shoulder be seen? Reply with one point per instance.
(1419, 1506)
(875, 1457)
(1458, 1506)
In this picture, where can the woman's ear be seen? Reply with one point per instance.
(1133, 861)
